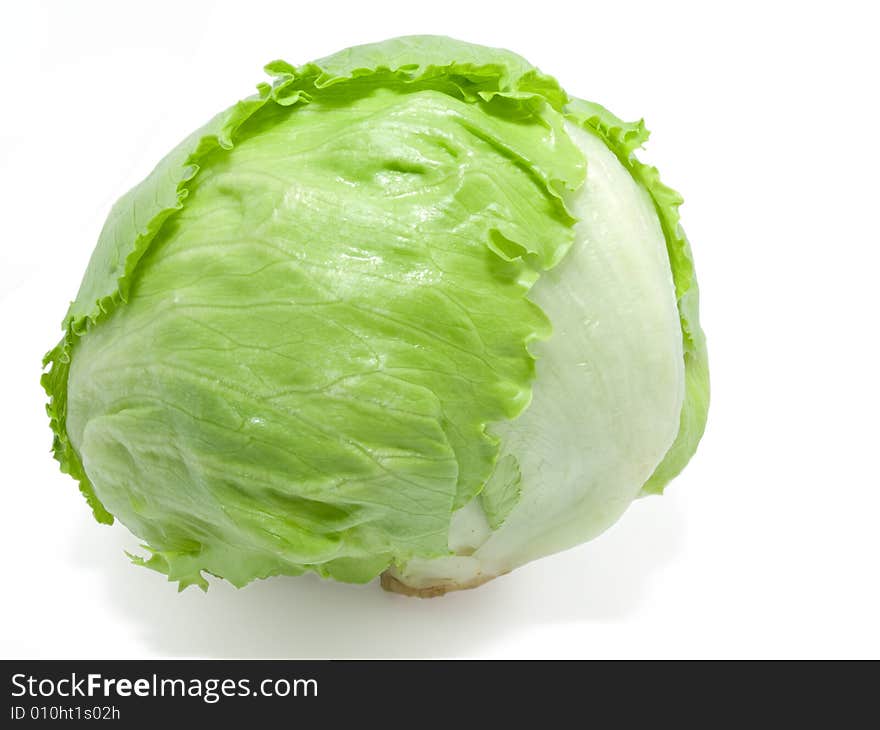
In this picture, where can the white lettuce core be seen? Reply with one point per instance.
(608, 394)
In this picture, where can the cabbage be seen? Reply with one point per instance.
(410, 310)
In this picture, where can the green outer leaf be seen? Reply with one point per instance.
(624, 138)
(471, 73)
(133, 223)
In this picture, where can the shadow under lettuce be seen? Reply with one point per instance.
(307, 617)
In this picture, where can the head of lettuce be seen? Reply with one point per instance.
(410, 310)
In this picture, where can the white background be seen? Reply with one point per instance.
(764, 114)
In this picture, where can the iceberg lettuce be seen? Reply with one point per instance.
(409, 310)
